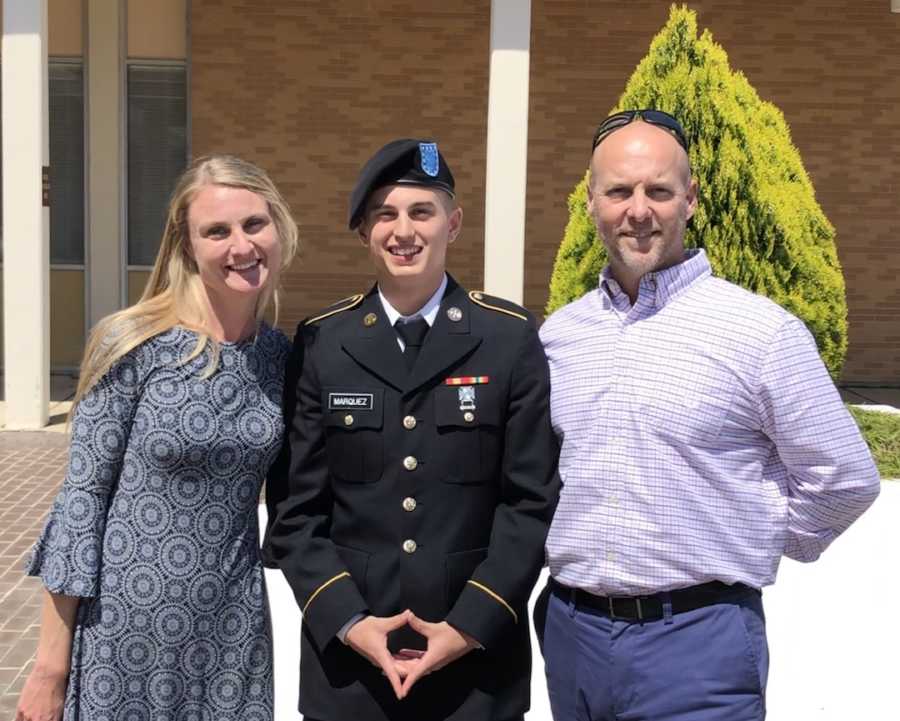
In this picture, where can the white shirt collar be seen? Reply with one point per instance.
(428, 311)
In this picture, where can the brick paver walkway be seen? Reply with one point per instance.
(31, 469)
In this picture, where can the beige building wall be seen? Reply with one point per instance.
(66, 318)
(137, 279)
(157, 29)
(316, 88)
(105, 161)
(65, 27)
(832, 66)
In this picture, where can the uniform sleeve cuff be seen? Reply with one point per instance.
(483, 613)
(329, 606)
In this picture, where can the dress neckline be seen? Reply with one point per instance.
(261, 329)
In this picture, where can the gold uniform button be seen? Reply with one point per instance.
(370, 320)
(468, 416)
(409, 545)
(410, 463)
(409, 504)
(348, 420)
(409, 422)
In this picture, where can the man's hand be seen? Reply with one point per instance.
(445, 645)
(368, 638)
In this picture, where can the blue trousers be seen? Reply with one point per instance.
(709, 664)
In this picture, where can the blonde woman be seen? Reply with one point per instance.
(155, 601)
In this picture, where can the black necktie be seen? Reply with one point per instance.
(413, 335)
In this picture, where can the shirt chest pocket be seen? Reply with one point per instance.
(690, 406)
(353, 441)
(469, 421)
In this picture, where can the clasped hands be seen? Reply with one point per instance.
(368, 637)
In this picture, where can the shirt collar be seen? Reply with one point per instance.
(663, 285)
(428, 311)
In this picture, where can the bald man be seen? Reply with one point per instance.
(702, 440)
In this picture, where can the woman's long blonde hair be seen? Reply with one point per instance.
(174, 293)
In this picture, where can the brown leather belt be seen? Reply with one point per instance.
(650, 608)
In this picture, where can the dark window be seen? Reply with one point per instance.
(66, 162)
(157, 152)
(66, 111)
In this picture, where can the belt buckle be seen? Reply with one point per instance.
(637, 603)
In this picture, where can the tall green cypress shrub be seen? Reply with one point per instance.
(758, 218)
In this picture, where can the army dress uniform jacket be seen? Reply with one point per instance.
(430, 489)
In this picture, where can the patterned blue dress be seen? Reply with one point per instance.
(156, 529)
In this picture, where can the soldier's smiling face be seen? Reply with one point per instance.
(407, 229)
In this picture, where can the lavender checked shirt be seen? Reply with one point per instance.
(702, 437)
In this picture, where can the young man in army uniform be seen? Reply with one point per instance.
(422, 473)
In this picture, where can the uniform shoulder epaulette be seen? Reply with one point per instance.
(339, 307)
(500, 305)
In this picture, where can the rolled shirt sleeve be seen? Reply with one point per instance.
(832, 478)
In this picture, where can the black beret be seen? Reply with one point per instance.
(415, 162)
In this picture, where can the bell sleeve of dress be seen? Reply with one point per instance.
(68, 554)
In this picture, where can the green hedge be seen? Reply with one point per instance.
(758, 218)
(882, 433)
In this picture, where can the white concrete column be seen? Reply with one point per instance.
(105, 60)
(507, 149)
(26, 216)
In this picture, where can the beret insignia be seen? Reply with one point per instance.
(428, 153)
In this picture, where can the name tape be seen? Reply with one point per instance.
(357, 401)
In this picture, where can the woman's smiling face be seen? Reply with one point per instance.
(233, 241)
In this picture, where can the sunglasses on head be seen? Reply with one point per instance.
(654, 117)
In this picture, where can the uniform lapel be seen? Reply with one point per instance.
(448, 341)
(374, 345)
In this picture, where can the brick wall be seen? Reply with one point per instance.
(832, 66)
(311, 89)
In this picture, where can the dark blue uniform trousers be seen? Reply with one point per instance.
(708, 664)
